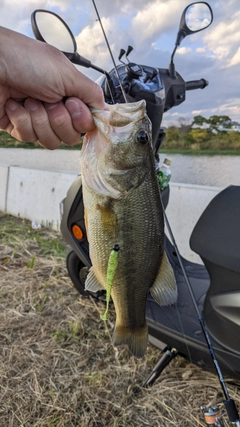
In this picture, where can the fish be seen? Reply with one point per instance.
(123, 207)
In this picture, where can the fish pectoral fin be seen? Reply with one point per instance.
(92, 284)
(164, 289)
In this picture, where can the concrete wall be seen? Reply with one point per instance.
(33, 194)
(36, 195)
(4, 171)
(186, 204)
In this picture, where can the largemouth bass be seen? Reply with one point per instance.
(123, 207)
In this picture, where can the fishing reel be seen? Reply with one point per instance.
(213, 416)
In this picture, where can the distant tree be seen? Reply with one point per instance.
(216, 121)
(198, 135)
(185, 125)
(199, 120)
(172, 134)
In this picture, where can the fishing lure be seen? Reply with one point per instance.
(111, 269)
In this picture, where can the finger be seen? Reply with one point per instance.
(62, 124)
(80, 114)
(95, 96)
(20, 124)
(41, 125)
(5, 123)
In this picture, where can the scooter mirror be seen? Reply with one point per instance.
(50, 28)
(198, 16)
(195, 17)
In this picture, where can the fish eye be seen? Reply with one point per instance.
(142, 137)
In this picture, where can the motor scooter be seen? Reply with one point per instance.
(215, 285)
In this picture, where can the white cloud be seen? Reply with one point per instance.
(200, 50)
(235, 59)
(224, 38)
(91, 42)
(196, 112)
(184, 50)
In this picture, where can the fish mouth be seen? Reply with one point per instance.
(119, 115)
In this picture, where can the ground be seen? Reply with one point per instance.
(58, 367)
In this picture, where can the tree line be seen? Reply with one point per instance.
(213, 134)
(199, 135)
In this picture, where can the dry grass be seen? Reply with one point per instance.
(58, 367)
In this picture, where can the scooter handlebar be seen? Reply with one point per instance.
(196, 84)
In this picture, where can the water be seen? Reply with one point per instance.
(219, 171)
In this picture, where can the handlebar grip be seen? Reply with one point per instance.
(196, 84)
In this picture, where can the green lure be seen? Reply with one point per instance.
(111, 269)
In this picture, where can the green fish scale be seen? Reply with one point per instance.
(139, 234)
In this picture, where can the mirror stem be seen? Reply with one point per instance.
(180, 36)
(171, 68)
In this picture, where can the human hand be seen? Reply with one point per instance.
(34, 79)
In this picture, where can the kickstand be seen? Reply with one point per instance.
(169, 354)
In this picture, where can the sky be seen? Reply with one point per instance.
(150, 26)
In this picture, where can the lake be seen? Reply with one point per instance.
(219, 171)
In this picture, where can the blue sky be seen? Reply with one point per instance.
(150, 26)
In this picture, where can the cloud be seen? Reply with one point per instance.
(91, 42)
(196, 112)
(184, 50)
(235, 59)
(224, 38)
(200, 50)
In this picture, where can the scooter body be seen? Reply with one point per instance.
(216, 287)
(216, 236)
(216, 284)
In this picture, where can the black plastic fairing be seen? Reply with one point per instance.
(178, 325)
(222, 306)
(216, 236)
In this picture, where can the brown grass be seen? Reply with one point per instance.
(58, 367)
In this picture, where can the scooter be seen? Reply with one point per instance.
(210, 291)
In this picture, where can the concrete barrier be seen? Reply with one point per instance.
(186, 204)
(4, 171)
(36, 195)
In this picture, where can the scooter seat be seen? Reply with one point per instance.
(216, 236)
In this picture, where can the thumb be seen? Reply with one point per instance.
(85, 89)
(80, 114)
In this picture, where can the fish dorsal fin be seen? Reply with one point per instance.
(92, 284)
(164, 289)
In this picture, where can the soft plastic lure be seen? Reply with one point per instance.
(111, 269)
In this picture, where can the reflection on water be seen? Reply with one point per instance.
(219, 171)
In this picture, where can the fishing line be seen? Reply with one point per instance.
(183, 333)
(99, 55)
(229, 403)
(109, 48)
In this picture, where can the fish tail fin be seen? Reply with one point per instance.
(164, 289)
(136, 339)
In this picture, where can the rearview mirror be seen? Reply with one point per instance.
(48, 27)
(195, 17)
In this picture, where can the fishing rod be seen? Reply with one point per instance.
(229, 404)
(109, 48)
